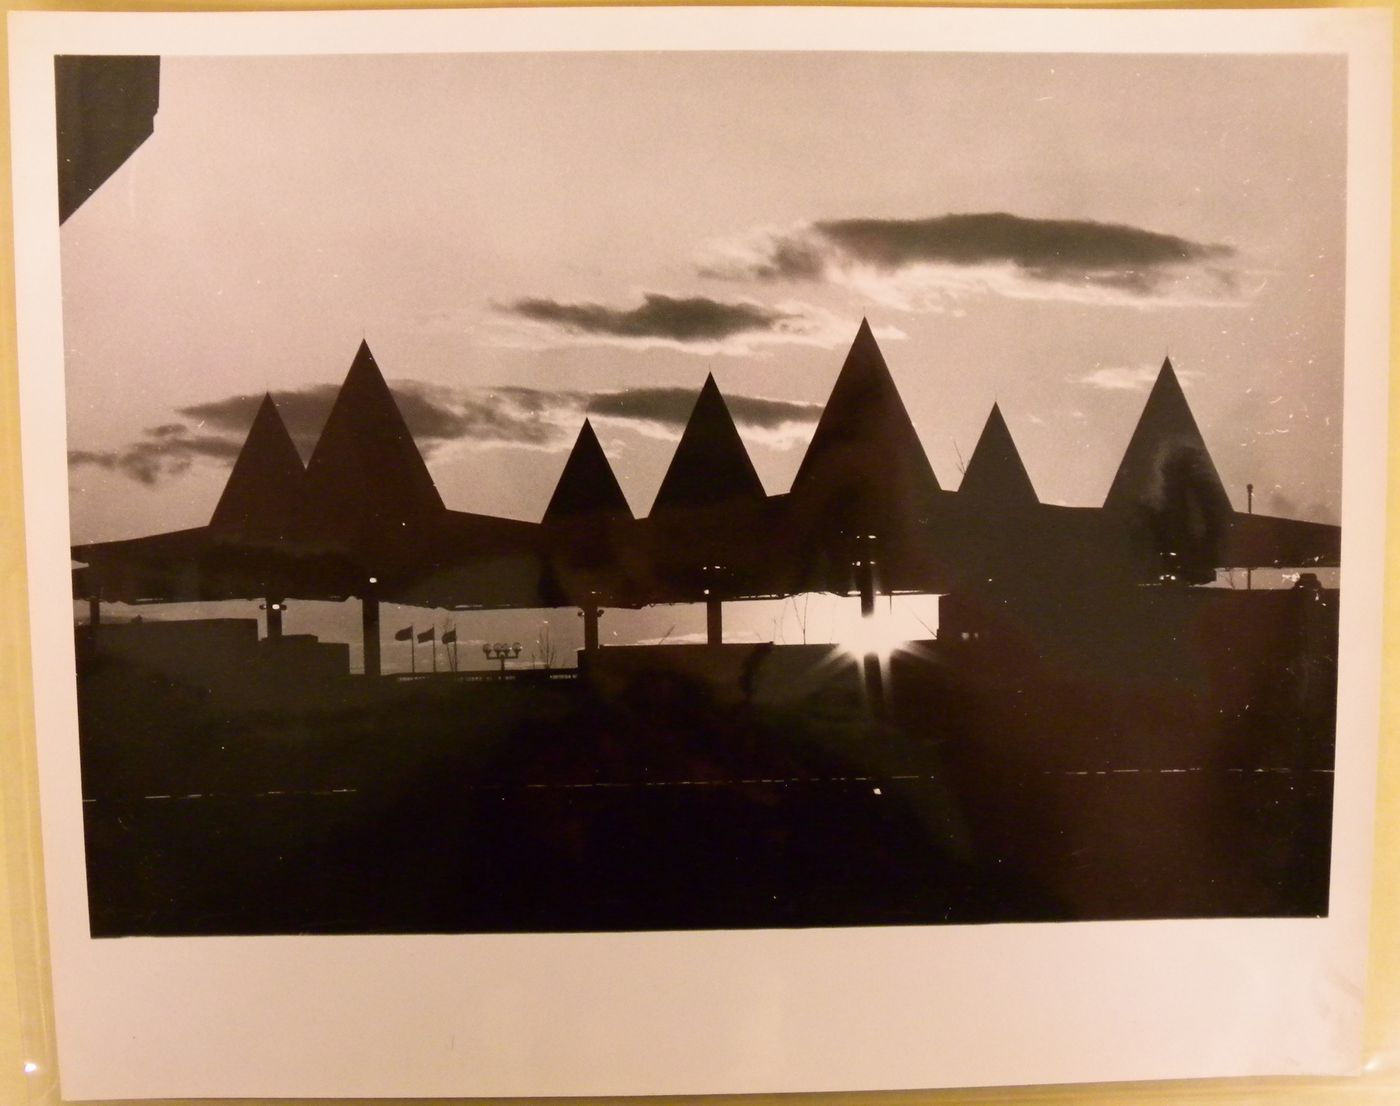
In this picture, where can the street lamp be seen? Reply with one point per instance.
(500, 651)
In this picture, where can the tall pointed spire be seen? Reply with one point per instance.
(366, 470)
(710, 464)
(865, 458)
(996, 478)
(1167, 457)
(264, 492)
(587, 486)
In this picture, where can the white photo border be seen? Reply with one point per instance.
(725, 1011)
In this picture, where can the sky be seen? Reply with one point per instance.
(528, 239)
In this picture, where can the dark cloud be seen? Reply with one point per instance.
(1115, 257)
(672, 318)
(502, 416)
(160, 456)
(303, 410)
(434, 414)
(769, 414)
(787, 258)
(664, 406)
(672, 406)
(533, 418)
(1044, 248)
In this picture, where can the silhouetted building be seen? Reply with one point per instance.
(264, 501)
(865, 469)
(589, 537)
(865, 515)
(302, 658)
(366, 480)
(1168, 491)
(220, 655)
(710, 465)
(587, 487)
(996, 479)
(710, 528)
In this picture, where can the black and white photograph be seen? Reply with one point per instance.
(504, 502)
(589, 491)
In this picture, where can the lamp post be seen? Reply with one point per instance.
(500, 651)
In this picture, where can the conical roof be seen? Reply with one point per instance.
(1166, 459)
(865, 454)
(587, 486)
(366, 470)
(995, 477)
(264, 490)
(710, 464)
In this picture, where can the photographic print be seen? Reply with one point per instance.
(450, 559)
(672, 490)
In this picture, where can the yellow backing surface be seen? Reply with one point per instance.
(26, 1028)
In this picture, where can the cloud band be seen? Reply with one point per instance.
(922, 263)
(438, 417)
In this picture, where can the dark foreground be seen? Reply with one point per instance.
(986, 788)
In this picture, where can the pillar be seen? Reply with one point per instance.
(591, 614)
(369, 618)
(870, 663)
(94, 611)
(865, 573)
(274, 617)
(714, 621)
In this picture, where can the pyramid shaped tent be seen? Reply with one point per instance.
(710, 465)
(1168, 488)
(263, 498)
(587, 487)
(1166, 458)
(865, 465)
(366, 478)
(996, 479)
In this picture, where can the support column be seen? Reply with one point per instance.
(866, 576)
(870, 663)
(369, 619)
(274, 617)
(714, 621)
(591, 614)
(94, 611)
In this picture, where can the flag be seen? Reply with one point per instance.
(406, 634)
(428, 634)
(449, 636)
